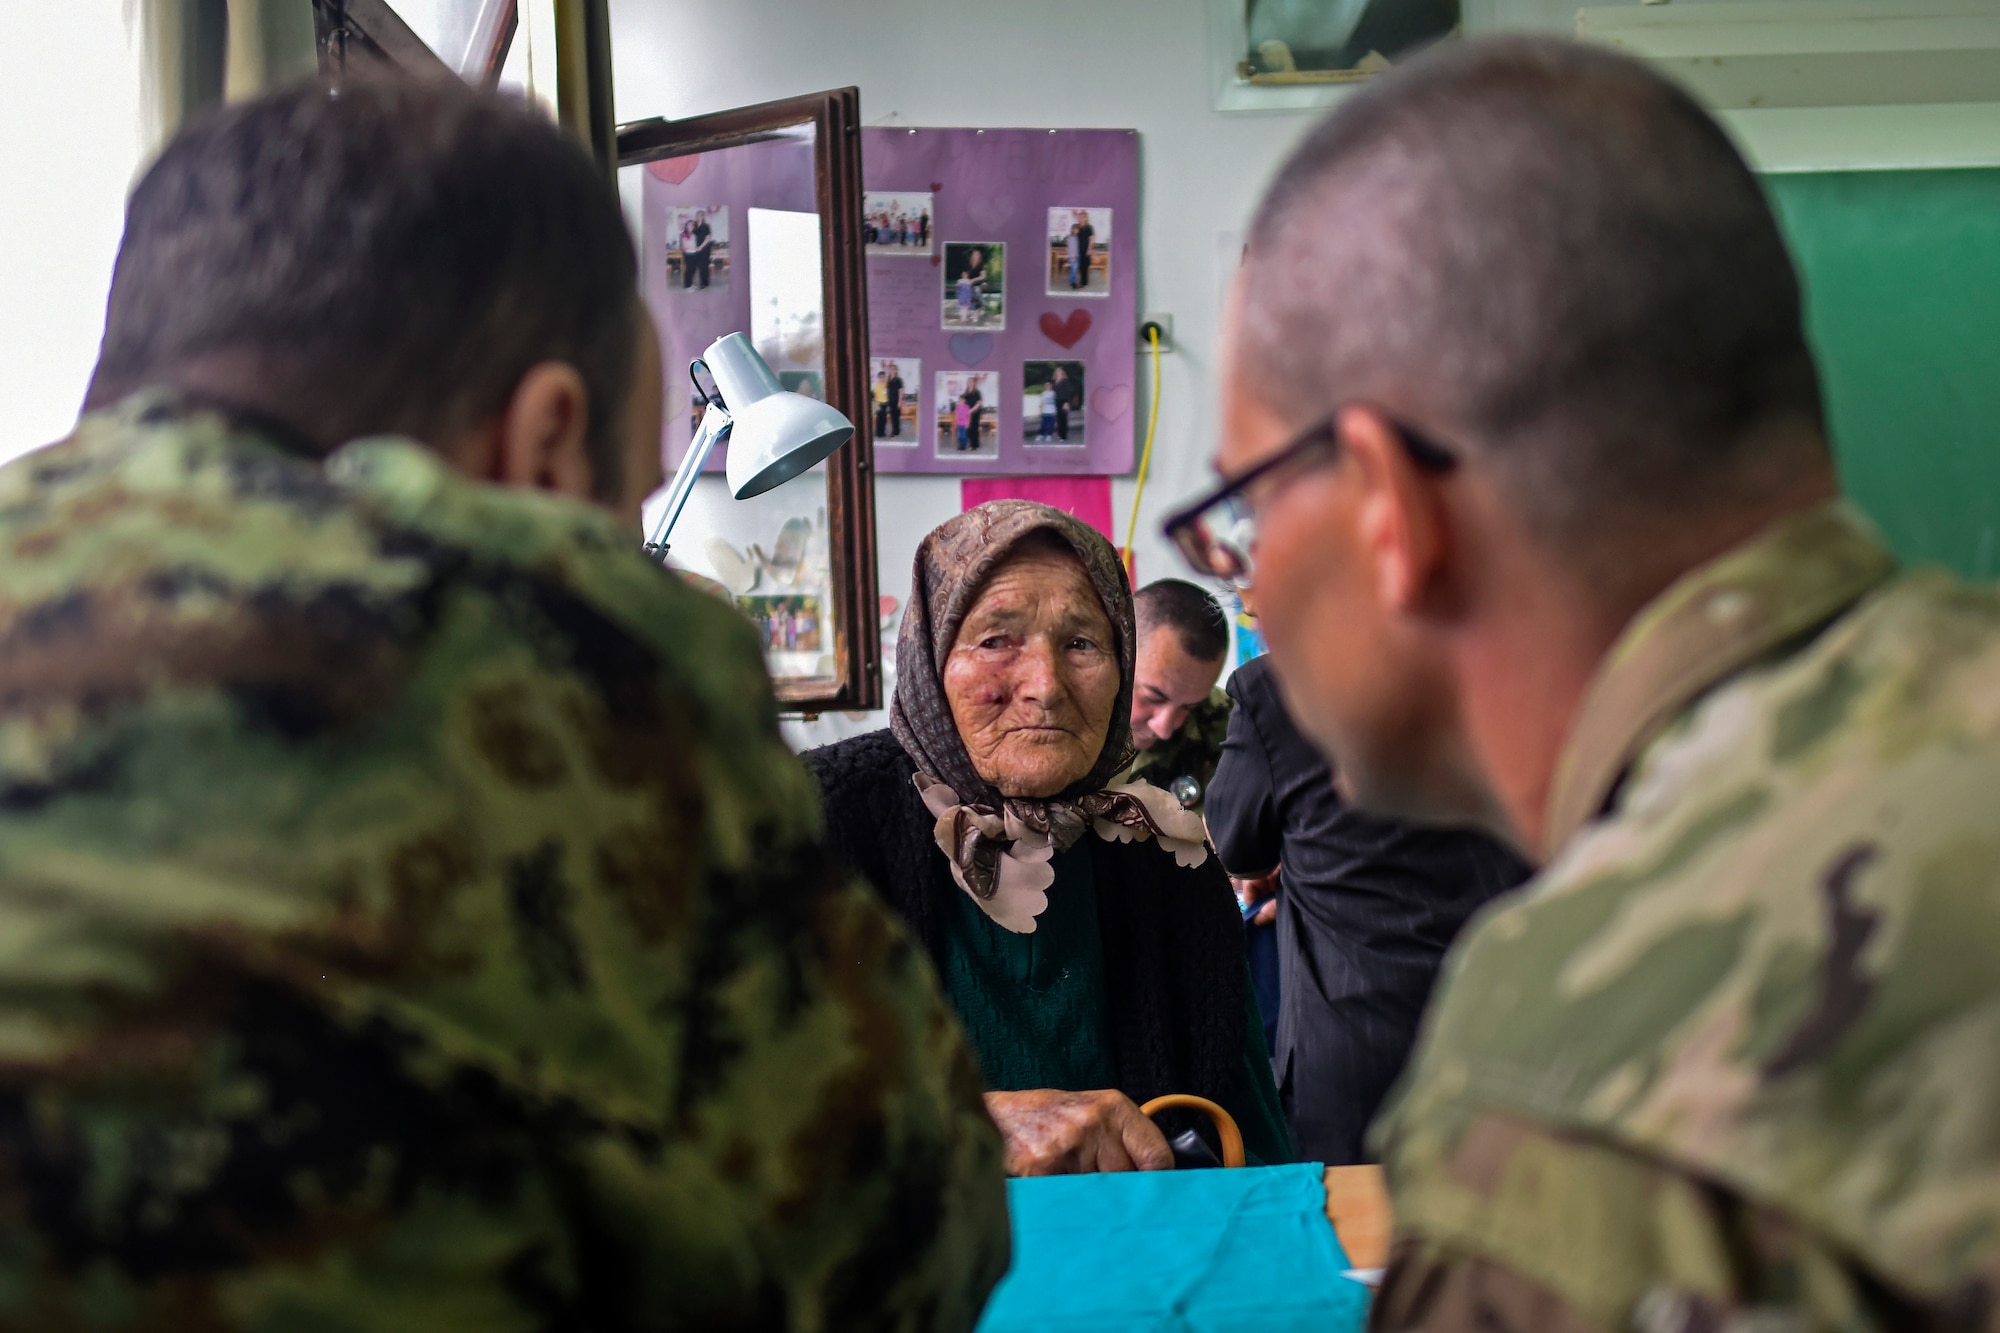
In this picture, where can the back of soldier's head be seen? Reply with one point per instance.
(1191, 613)
(391, 257)
(1552, 259)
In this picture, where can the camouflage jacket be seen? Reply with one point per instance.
(1193, 751)
(411, 919)
(1730, 1062)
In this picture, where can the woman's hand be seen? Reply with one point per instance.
(1048, 1132)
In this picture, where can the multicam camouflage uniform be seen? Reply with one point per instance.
(410, 919)
(1733, 1061)
(1193, 751)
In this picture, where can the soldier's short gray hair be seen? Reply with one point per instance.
(1550, 257)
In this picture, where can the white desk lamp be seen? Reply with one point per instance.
(773, 434)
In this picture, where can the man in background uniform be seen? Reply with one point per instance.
(409, 914)
(1179, 717)
(1547, 537)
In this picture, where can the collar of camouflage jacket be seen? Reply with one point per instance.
(1707, 626)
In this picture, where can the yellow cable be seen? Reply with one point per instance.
(1145, 456)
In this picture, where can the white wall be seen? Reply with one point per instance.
(69, 141)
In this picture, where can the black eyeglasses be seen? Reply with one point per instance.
(1217, 534)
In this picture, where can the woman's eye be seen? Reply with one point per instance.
(993, 641)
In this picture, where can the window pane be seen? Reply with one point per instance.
(459, 31)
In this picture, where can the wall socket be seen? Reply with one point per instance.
(1165, 323)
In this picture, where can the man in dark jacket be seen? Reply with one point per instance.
(1366, 910)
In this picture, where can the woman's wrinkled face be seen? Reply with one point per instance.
(1032, 677)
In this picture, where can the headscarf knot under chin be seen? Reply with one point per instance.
(1002, 857)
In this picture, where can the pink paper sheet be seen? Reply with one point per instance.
(1087, 498)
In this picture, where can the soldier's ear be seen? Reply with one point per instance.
(539, 440)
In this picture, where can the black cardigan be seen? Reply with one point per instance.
(1173, 938)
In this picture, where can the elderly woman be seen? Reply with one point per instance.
(1087, 940)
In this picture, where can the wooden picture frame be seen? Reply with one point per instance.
(835, 118)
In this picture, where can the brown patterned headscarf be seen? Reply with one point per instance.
(999, 846)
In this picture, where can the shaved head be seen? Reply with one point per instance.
(1553, 260)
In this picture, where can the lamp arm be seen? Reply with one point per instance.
(715, 423)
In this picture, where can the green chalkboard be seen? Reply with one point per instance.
(1902, 278)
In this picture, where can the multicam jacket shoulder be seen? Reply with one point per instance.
(1735, 1056)
(410, 918)
(1193, 751)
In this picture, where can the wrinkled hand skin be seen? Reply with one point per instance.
(1048, 1132)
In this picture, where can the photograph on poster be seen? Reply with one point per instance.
(698, 248)
(807, 382)
(974, 285)
(967, 424)
(896, 223)
(893, 384)
(1079, 252)
(1052, 402)
(789, 625)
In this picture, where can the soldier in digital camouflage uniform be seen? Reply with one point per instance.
(409, 915)
(1179, 717)
(1548, 538)
(1191, 751)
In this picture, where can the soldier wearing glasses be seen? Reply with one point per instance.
(1547, 539)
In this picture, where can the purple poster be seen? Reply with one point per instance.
(1002, 290)
(1002, 299)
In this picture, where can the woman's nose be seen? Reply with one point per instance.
(1040, 680)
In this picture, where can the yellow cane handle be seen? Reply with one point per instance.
(1225, 1125)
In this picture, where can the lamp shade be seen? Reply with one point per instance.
(774, 434)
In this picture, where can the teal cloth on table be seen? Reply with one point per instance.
(1035, 1008)
(1187, 1251)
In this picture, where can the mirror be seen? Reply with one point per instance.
(738, 230)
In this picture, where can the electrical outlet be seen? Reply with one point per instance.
(1165, 324)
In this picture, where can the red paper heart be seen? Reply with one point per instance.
(1066, 332)
(674, 170)
(936, 186)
